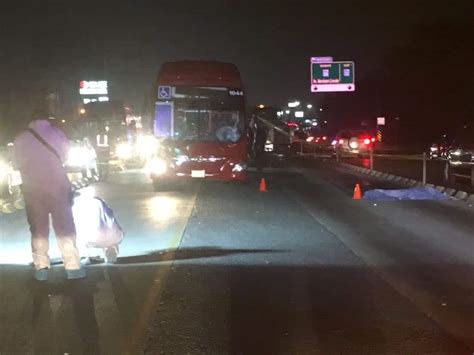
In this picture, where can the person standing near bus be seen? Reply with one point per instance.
(39, 153)
(260, 140)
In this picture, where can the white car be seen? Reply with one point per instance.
(352, 142)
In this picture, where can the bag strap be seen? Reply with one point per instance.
(43, 142)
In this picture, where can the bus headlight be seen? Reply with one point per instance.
(242, 166)
(124, 151)
(156, 166)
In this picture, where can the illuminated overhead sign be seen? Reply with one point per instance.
(332, 76)
(299, 114)
(93, 87)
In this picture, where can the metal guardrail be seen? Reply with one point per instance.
(448, 172)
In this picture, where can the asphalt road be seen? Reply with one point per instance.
(220, 268)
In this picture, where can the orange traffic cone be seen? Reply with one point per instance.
(263, 185)
(357, 192)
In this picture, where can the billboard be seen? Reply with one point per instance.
(93, 87)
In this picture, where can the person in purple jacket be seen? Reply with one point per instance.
(39, 153)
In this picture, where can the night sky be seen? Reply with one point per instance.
(51, 45)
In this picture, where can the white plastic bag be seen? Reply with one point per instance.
(96, 226)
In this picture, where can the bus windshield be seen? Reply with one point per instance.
(208, 114)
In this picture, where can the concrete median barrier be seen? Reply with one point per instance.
(411, 183)
(403, 180)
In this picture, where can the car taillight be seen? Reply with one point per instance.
(309, 139)
(324, 138)
(373, 140)
(341, 141)
(367, 141)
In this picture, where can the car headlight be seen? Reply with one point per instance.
(124, 151)
(146, 146)
(269, 147)
(434, 149)
(242, 166)
(354, 144)
(457, 152)
(156, 166)
(79, 156)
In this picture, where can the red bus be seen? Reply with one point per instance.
(200, 122)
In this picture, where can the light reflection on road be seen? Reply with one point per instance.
(162, 208)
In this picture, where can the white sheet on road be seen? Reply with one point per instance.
(414, 193)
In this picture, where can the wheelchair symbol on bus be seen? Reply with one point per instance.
(164, 92)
